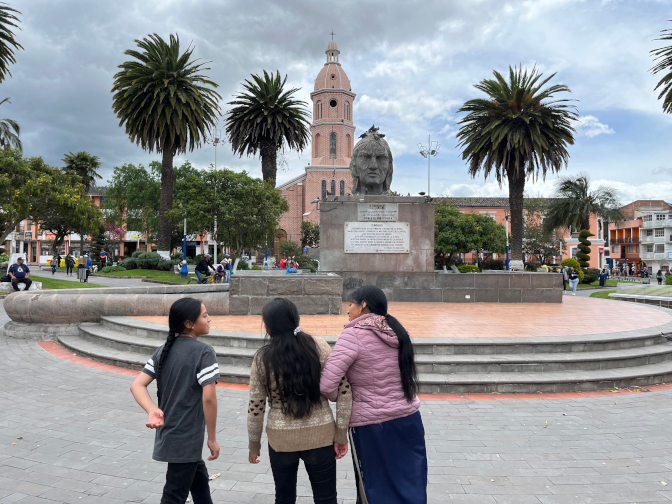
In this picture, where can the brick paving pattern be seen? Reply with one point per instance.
(84, 440)
(479, 320)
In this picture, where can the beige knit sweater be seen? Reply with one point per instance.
(288, 434)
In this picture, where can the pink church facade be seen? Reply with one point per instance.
(333, 138)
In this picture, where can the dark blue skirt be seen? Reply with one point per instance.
(390, 461)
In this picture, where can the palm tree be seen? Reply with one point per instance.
(520, 133)
(167, 105)
(264, 119)
(9, 132)
(85, 165)
(7, 42)
(663, 59)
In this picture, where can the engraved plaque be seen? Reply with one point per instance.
(376, 238)
(380, 212)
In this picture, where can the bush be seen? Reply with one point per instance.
(136, 253)
(668, 280)
(165, 265)
(129, 264)
(584, 248)
(177, 257)
(112, 269)
(590, 275)
(148, 260)
(289, 248)
(531, 267)
(573, 263)
(255, 267)
(492, 264)
(468, 268)
(306, 262)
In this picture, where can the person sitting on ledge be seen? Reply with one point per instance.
(20, 273)
(292, 269)
(203, 269)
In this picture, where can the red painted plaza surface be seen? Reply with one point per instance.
(481, 320)
(54, 349)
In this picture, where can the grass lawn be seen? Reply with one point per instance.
(163, 276)
(55, 283)
(610, 283)
(603, 294)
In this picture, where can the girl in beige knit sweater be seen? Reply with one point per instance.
(300, 425)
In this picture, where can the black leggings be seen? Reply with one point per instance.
(184, 478)
(321, 468)
(68, 270)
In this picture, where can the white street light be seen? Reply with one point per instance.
(432, 149)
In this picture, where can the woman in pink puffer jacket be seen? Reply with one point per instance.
(386, 434)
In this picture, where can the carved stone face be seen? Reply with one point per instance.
(371, 166)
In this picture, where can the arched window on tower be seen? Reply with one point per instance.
(316, 146)
(324, 189)
(332, 146)
(347, 111)
(348, 144)
(333, 188)
(342, 188)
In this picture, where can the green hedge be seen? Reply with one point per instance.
(573, 263)
(129, 263)
(112, 269)
(468, 268)
(165, 265)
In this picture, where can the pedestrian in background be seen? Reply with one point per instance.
(565, 278)
(227, 268)
(20, 273)
(387, 437)
(660, 277)
(203, 269)
(573, 277)
(55, 263)
(300, 426)
(186, 373)
(69, 264)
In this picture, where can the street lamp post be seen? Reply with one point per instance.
(432, 149)
(216, 141)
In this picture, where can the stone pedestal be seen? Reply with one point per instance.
(376, 234)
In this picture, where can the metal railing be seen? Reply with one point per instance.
(627, 240)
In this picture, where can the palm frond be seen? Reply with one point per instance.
(8, 43)
(663, 63)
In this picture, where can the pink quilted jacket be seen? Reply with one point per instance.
(367, 352)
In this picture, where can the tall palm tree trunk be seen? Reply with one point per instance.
(166, 204)
(269, 160)
(516, 190)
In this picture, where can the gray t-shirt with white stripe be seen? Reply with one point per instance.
(189, 366)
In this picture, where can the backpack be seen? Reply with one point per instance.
(227, 266)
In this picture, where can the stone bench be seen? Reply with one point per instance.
(664, 301)
(6, 287)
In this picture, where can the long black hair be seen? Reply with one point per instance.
(377, 304)
(183, 310)
(290, 360)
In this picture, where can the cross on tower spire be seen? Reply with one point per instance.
(332, 34)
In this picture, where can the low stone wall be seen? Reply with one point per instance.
(312, 294)
(437, 287)
(6, 287)
(73, 306)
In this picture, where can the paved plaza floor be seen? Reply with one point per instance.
(80, 437)
(482, 320)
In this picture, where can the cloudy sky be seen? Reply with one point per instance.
(411, 64)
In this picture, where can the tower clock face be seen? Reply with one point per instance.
(333, 103)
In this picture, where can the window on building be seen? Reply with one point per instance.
(649, 232)
(316, 146)
(333, 103)
(631, 249)
(347, 111)
(647, 218)
(324, 189)
(342, 188)
(659, 247)
(348, 143)
(615, 249)
(332, 146)
(333, 188)
(659, 232)
(649, 248)
(660, 217)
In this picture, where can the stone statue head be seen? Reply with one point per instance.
(371, 164)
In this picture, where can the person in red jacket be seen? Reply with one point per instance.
(386, 433)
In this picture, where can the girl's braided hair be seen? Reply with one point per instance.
(183, 310)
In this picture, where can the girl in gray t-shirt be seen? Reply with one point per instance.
(186, 373)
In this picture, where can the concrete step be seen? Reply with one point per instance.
(544, 362)
(136, 359)
(107, 338)
(562, 381)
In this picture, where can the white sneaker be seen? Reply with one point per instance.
(573, 293)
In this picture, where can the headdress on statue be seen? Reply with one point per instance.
(371, 141)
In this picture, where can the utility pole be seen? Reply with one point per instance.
(215, 141)
(432, 149)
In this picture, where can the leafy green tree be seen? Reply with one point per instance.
(491, 234)
(288, 248)
(85, 165)
(27, 187)
(69, 209)
(310, 234)
(166, 105)
(8, 43)
(584, 248)
(132, 198)
(519, 132)
(539, 241)
(264, 119)
(573, 204)
(247, 209)
(663, 63)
